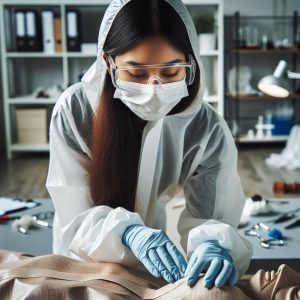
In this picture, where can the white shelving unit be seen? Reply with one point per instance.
(273, 139)
(23, 72)
(213, 60)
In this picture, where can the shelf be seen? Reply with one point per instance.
(273, 139)
(212, 98)
(45, 55)
(28, 99)
(33, 54)
(268, 51)
(77, 54)
(210, 53)
(58, 2)
(81, 54)
(262, 97)
(30, 147)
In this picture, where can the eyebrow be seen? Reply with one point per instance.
(134, 63)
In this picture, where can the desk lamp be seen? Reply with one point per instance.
(277, 84)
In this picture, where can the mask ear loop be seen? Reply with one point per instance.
(192, 69)
(113, 68)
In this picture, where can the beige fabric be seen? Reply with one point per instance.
(57, 277)
(281, 285)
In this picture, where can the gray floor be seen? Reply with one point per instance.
(257, 177)
(26, 176)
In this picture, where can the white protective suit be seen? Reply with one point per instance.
(193, 150)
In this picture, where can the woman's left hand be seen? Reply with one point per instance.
(215, 261)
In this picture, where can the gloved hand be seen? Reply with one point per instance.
(156, 251)
(213, 259)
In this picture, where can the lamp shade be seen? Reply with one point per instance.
(276, 85)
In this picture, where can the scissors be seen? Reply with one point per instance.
(264, 243)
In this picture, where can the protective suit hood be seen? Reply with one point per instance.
(93, 79)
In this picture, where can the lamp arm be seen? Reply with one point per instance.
(293, 75)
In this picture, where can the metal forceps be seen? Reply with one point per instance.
(264, 243)
(40, 218)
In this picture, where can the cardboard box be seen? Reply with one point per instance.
(32, 126)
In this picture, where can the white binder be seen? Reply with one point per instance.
(48, 32)
(20, 31)
(72, 24)
(30, 24)
(20, 24)
(73, 38)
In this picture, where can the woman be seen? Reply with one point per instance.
(133, 131)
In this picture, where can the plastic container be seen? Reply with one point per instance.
(282, 125)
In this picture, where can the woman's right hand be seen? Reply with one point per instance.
(156, 251)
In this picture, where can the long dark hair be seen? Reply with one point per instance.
(116, 140)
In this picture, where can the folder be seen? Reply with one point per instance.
(57, 35)
(20, 31)
(11, 205)
(73, 38)
(48, 31)
(33, 34)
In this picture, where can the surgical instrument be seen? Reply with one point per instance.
(264, 243)
(257, 197)
(274, 233)
(293, 224)
(285, 216)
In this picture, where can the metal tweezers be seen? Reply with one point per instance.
(265, 243)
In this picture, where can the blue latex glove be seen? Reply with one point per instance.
(215, 261)
(156, 251)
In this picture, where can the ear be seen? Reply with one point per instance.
(105, 56)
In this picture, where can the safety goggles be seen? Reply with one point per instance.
(147, 74)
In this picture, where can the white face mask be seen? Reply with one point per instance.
(151, 102)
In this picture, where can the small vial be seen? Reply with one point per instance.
(22, 229)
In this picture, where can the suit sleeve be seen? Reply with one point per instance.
(215, 199)
(91, 232)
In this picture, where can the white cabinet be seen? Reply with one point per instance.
(25, 71)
